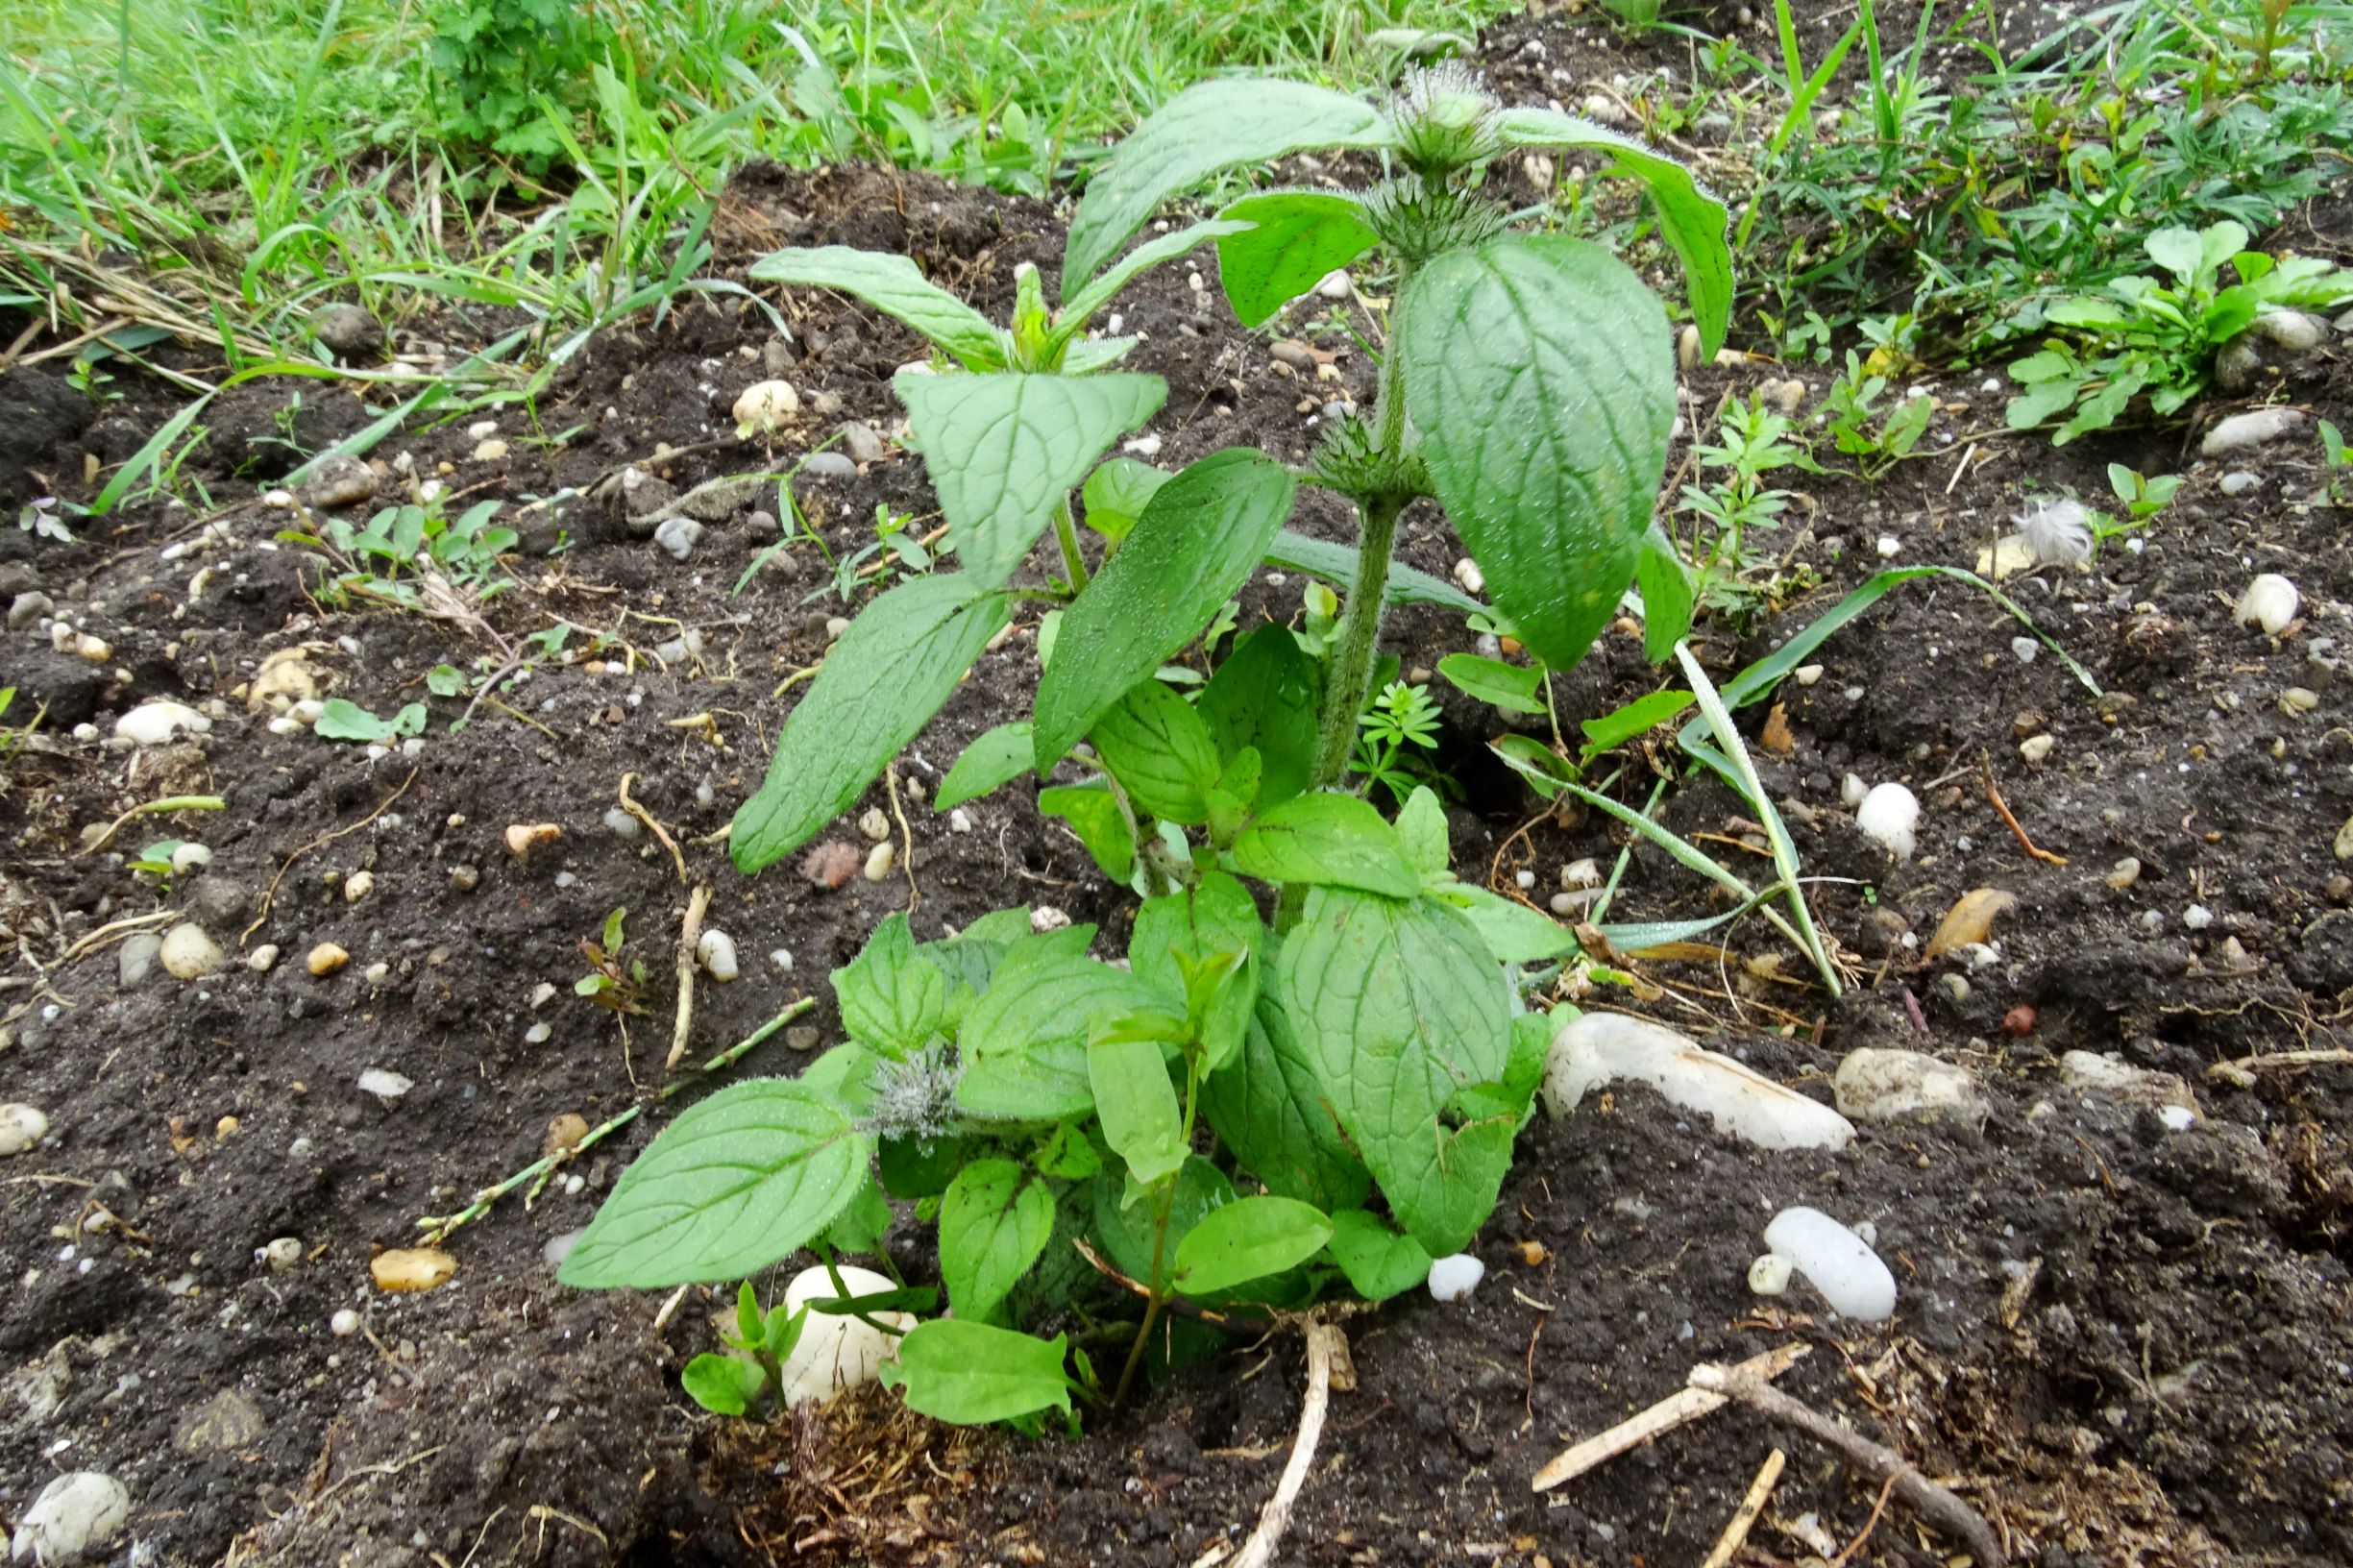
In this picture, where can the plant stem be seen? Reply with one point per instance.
(1153, 1295)
(1065, 535)
(1350, 670)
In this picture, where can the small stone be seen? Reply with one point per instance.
(28, 607)
(72, 1520)
(2111, 1077)
(1836, 1261)
(860, 442)
(346, 331)
(2123, 873)
(344, 1324)
(564, 1132)
(2239, 481)
(377, 973)
(878, 861)
(875, 824)
(189, 859)
(1047, 918)
(1601, 1048)
(411, 1268)
(1877, 1084)
(829, 465)
(559, 1247)
(191, 953)
(2252, 428)
(22, 1127)
(2035, 747)
(1786, 394)
(326, 959)
(715, 952)
(222, 1424)
(2196, 918)
(1687, 347)
(1467, 573)
(1889, 814)
(766, 408)
(490, 450)
(283, 1253)
(153, 723)
(678, 535)
(358, 886)
(1769, 1274)
(1334, 285)
(262, 959)
(464, 878)
(1452, 1279)
(830, 864)
(1806, 675)
(2269, 604)
(386, 1085)
(2299, 699)
(2291, 329)
(137, 959)
(802, 1037)
(522, 836)
(340, 480)
(2025, 648)
(1604, 109)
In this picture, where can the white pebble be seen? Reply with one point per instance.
(878, 861)
(190, 857)
(836, 1351)
(1143, 446)
(344, 1324)
(386, 1085)
(1451, 1279)
(2238, 483)
(1467, 573)
(539, 1033)
(2249, 430)
(281, 1255)
(1524, 879)
(262, 959)
(621, 824)
(1836, 1261)
(153, 724)
(1601, 1048)
(2026, 648)
(1769, 1274)
(1890, 817)
(2035, 747)
(959, 822)
(715, 952)
(1806, 675)
(190, 954)
(1890, 547)
(782, 958)
(2270, 603)
(22, 1127)
(358, 886)
(2196, 918)
(1851, 790)
(74, 1519)
(1047, 918)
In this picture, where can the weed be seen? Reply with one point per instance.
(401, 552)
(1755, 442)
(1876, 438)
(1398, 717)
(2337, 465)
(614, 981)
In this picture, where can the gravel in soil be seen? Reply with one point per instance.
(2123, 1342)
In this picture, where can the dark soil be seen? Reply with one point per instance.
(2123, 1344)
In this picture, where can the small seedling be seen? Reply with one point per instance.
(1400, 717)
(613, 983)
(1755, 441)
(2337, 465)
(733, 1385)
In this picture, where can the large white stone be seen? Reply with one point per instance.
(1609, 1047)
(837, 1352)
(152, 723)
(72, 1519)
(1878, 1085)
(1836, 1261)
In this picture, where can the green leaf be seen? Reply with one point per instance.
(1003, 452)
(1025, 1042)
(891, 999)
(1507, 686)
(1335, 840)
(994, 1222)
(880, 684)
(1142, 1119)
(1265, 1105)
(1263, 698)
(1421, 826)
(847, 1073)
(1096, 816)
(1378, 1263)
(955, 1370)
(1248, 1239)
(1511, 932)
(1116, 493)
(1690, 219)
(1337, 564)
(1213, 916)
(896, 287)
(1159, 750)
(1211, 125)
(346, 720)
(995, 758)
(862, 1226)
(1396, 1007)
(915, 1166)
(723, 1384)
(1539, 372)
(1667, 592)
(737, 1182)
(1192, 549)
(1297, 236)
(1621, 724)
(1150, 254)
(1065, 1155)
(1126, 1229)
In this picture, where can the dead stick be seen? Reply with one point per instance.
(1323, 1340)
(1682, 1405)
(1933, 1503)
(659, 832)
(2241, 1070)
(690, 938)
(1736, 1532)
(1993, 792)
(915, 896)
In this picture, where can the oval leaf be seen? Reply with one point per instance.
(994, 1220)
(997, 757)
(734, 1184)
(1297, 236)
(878, 687)
(1334, 840)
(1378, 1263)
(1248, 1239)
(1540, 373)
(896, 287)
(1153, 742)
(954, 1370)
(1191, 547)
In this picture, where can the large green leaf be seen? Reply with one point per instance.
(1116, 493)
(1212, 918)
(955, 1370)
(1334, 840)
(1266, 1106)
(994, 1220)
(1541, 374)
(1208, 127)
(1024, 1040)
(1667, 595)
(890, 999)
(1142, 1119)
(1157, 748)
(1693, 221)
(1126, 1229)
(1192, 547)
(1004, 450)
(1337, 564)
(1398, 1007)
(880, 684)
(734, 1184)
(1295, 238)
(1264, 697)
(1249, 1239)
(896, 287)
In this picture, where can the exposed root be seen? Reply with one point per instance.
(690, 937)
(1325, 1345)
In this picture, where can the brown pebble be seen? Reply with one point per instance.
(2018, 1022)
(565, 1131)
(326, 959)
(831, 863)
(521, 836)
(1534, 1254)
(411, 1268)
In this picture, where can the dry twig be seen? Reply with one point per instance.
(652, 826)
(690, 939)
(321, 843)
(1736, 1531)
(1994, 794)
(1682, 1405)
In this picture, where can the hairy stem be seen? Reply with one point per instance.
(1066, 535)
(1350, 670)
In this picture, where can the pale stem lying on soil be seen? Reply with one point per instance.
(1325, 1345)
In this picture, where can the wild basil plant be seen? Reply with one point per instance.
(1242, 1118)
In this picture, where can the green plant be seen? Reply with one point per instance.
(2337, 465)
(1876, 438)
(732, 1385)
(343, 719)
(1755, 442)
(1398, 717)
(2144, 337)
(402, 551)
(613, 983)
(1369, 1040)
(40, 517)
(504, 66)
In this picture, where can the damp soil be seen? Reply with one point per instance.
(2121, 1343)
